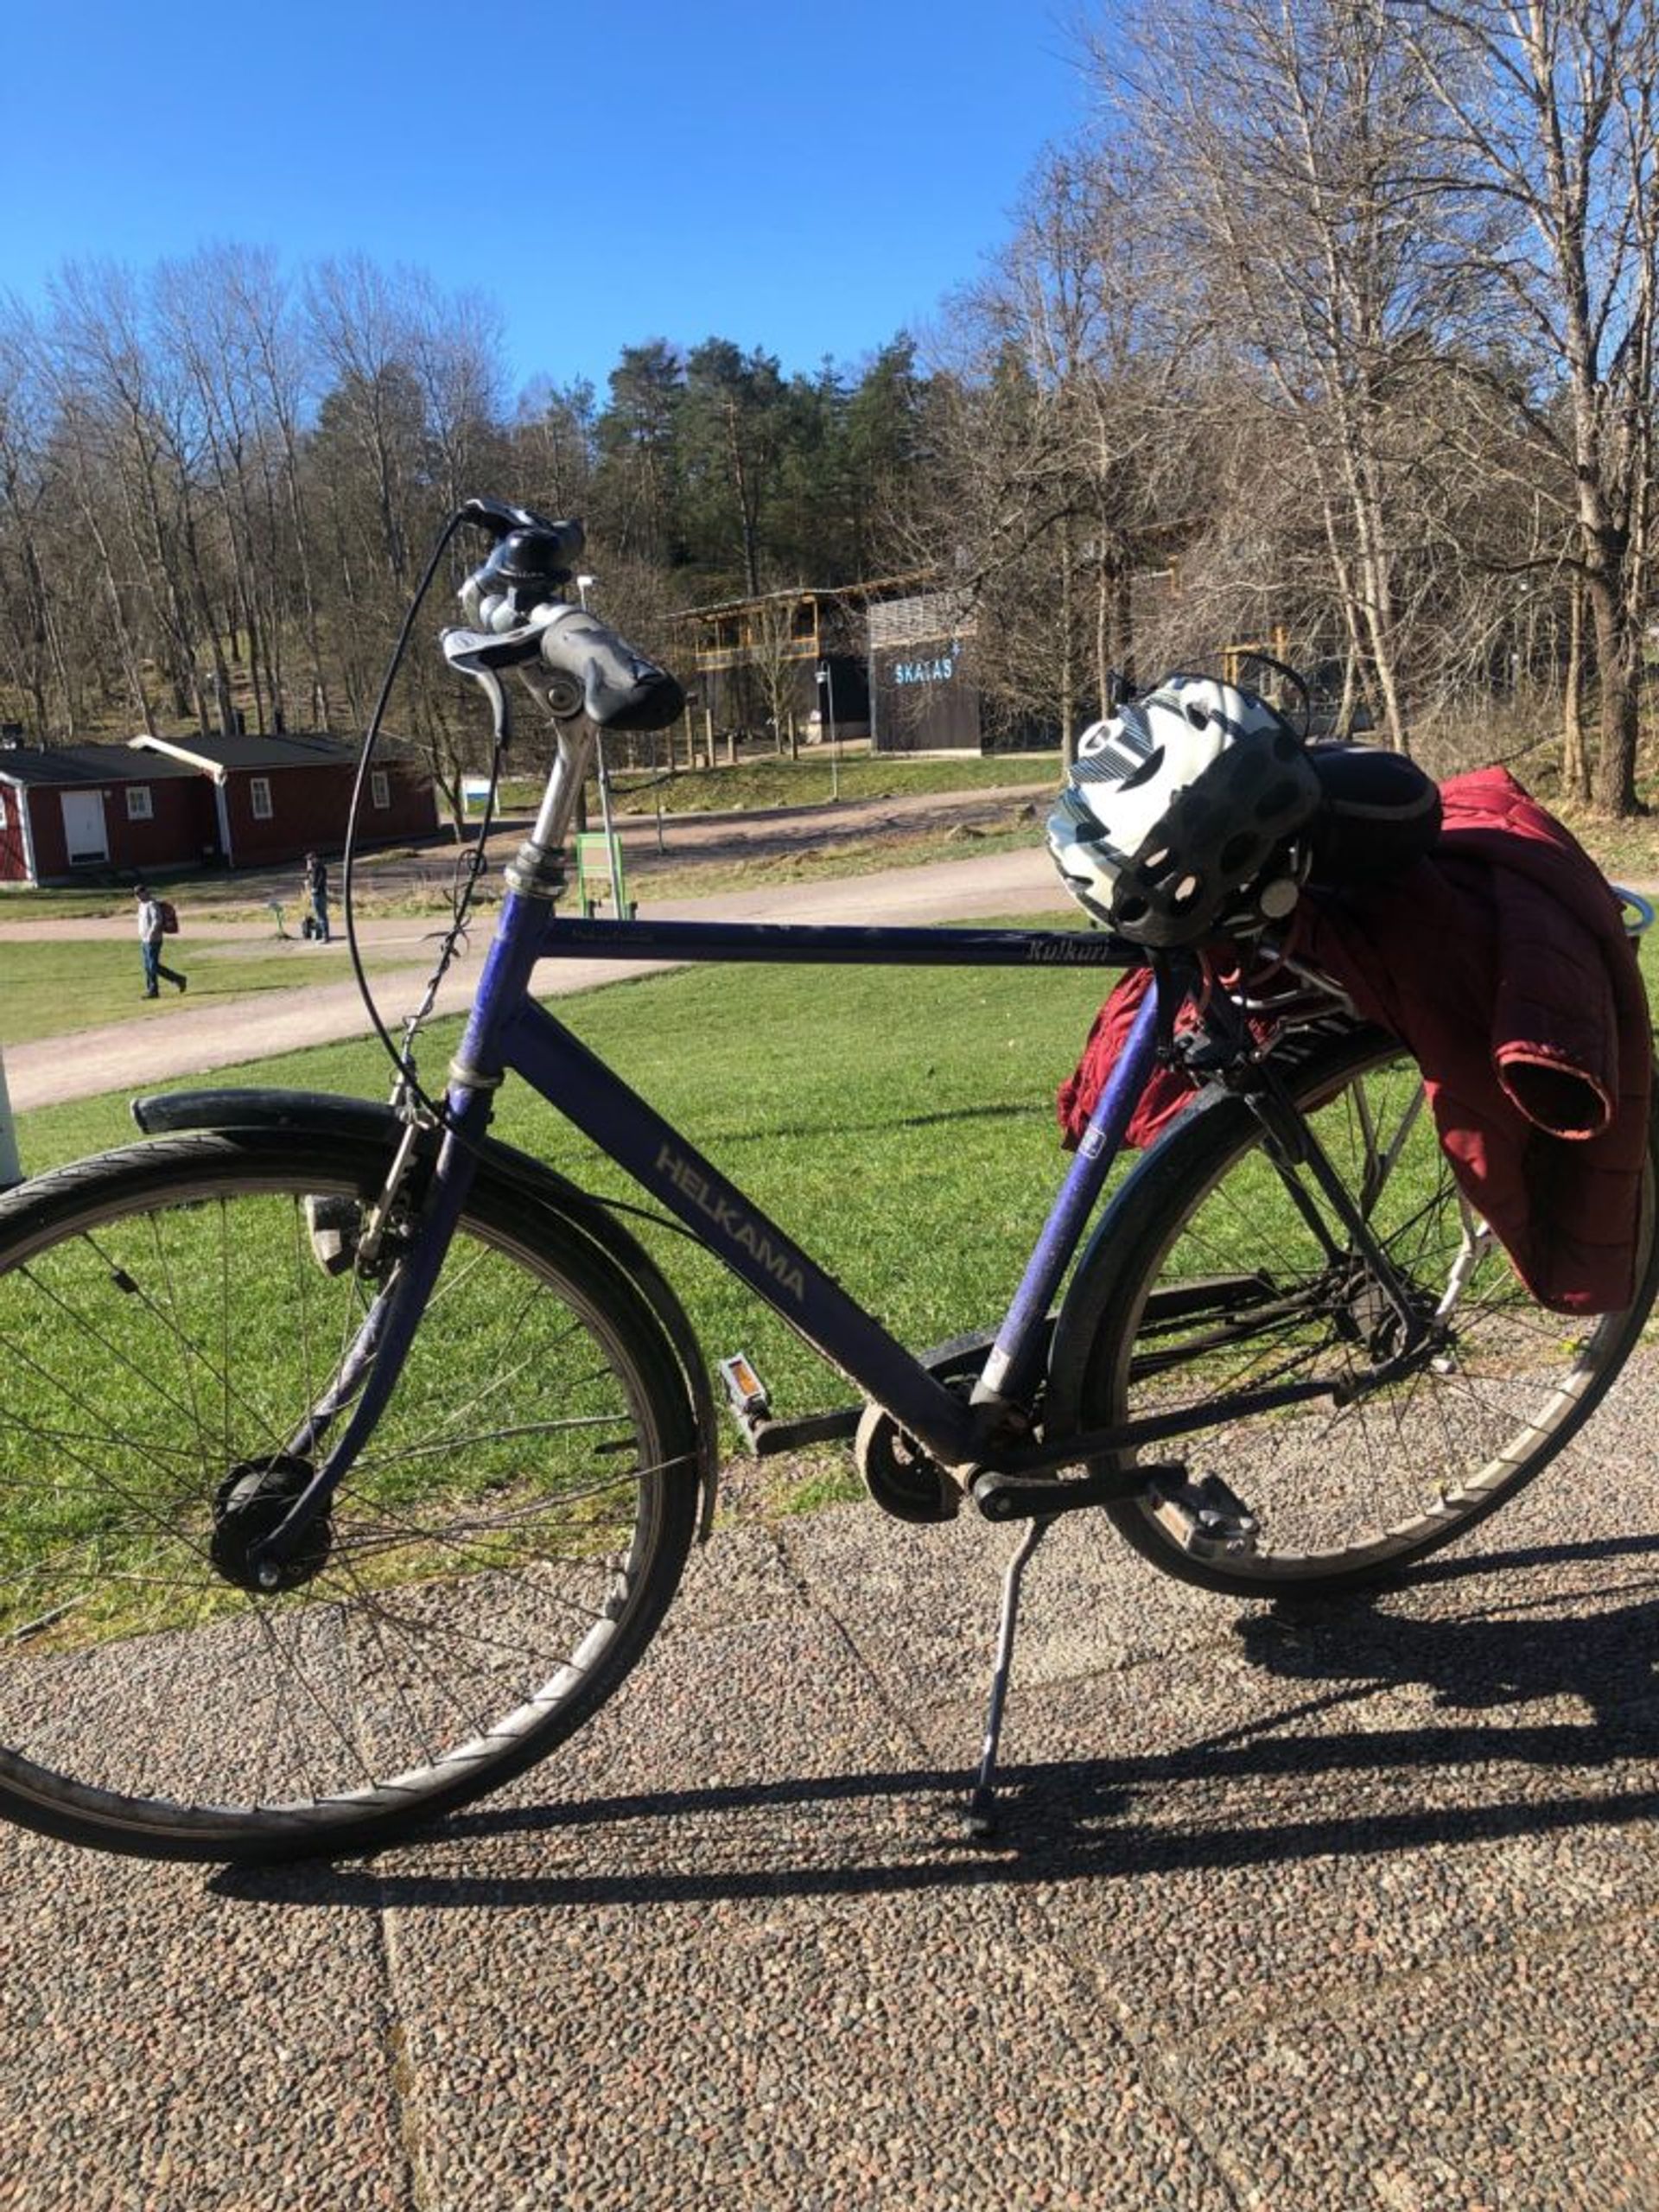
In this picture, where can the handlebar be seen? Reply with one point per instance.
(514, 620)
(621, 688)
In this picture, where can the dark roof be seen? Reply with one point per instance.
(86, 763)
(309, 750)
(877, 588)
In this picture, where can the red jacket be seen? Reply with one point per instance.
(1501, 962)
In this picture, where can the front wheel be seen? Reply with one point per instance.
(490, 1568)
(1216, 1273)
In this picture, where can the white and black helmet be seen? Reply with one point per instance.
(1178, 821)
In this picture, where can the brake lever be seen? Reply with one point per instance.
(473, 650)
(478, 654)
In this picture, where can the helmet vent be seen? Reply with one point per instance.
(1149, 767)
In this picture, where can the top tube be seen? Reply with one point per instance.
(837, 944)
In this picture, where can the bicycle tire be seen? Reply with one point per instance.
(499, 1555)
(1204, 1278)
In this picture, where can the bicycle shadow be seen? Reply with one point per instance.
(1593, 1649)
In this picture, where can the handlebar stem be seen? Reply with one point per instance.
(574, 742)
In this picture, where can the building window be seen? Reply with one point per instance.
(138, 806)
(379, 788)
(259, 797)
(3, 810)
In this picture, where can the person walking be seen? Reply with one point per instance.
(316, 890)
(152, 928)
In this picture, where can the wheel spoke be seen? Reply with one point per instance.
(483, 1576)
(1228, 1289)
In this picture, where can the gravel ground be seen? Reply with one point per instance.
(1354, 1906)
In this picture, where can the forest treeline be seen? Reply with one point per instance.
(1335, 330)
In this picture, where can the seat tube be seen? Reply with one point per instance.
(1008, 1371)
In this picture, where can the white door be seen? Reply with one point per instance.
(83, 827)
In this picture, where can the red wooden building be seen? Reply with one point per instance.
(162, 805)
(99, 807)
(275, 797)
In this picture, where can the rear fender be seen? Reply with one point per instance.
(299, 1112)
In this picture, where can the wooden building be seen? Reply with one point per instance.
(273, 798)
(799, 657)
(890, 661)
(73, 810)
(160, 805)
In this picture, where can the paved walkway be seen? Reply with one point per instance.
(1360, 1910)
(1357, 1909)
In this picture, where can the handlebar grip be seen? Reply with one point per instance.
(621, 689)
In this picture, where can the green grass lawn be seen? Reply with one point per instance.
(683, 877)
(55, 988)
(809, 781)
(899, 1123)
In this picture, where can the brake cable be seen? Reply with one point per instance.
(471, 864)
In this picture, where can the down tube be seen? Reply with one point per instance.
(598, 1103)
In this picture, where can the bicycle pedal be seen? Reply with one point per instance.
(1206, 1518)
(747, 1395)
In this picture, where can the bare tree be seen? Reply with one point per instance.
(774, 659)
(38, 668)
(1047, 427)
(280, 388)
(554, 446)
(1553, 105)
(1294, 139)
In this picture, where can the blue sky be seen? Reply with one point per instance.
(807, 180)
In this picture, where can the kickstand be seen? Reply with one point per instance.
(980, 1819)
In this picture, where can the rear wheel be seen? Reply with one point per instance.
(491, 1567)
(1208, 1280)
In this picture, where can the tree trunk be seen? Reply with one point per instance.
(1617, 658)
(1068, 675)
(1575, 759)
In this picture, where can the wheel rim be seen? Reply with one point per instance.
(1345, 1489)
(484, 1551)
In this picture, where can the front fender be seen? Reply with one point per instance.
(328, 1114)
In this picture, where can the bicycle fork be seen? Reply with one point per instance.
(369, 1368)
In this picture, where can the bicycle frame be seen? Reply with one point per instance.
(532, 1043)
(507, 1032)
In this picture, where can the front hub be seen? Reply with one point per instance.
(251, 1501)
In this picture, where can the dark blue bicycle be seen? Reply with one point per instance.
(350, 1458)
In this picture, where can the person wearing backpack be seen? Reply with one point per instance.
(316, 891)
(152, 928)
